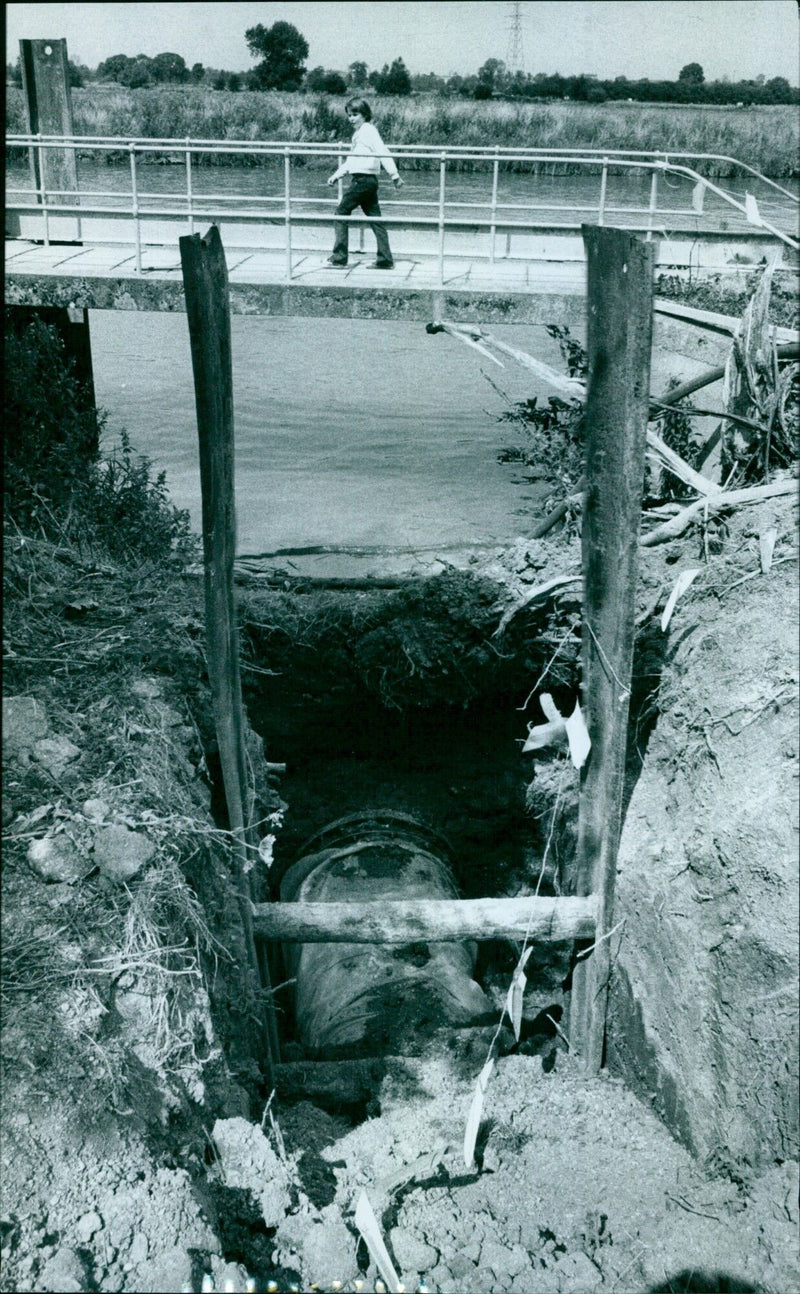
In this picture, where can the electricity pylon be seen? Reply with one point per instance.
(515, 56)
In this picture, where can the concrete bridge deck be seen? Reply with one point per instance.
(105, 277)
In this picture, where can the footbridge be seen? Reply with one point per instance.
(478, 234)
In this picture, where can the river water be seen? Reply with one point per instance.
(348, 432)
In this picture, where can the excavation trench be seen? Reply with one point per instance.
(400, 722)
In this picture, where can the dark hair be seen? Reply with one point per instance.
(359, 105)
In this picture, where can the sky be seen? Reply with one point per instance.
(635, 38)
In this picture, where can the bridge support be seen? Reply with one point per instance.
(48, 103)
(72, 325)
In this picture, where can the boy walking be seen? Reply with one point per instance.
(363, 164)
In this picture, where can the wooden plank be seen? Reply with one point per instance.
(205, 279)
(406, 921)
(619, 330)
(713, 321)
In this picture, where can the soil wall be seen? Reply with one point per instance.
(703, 1016)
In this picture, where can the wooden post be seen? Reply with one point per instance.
(619, 319)
(205, 281)
(45, 81)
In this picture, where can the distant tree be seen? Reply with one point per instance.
(197, 73)
(427, 82)
(394, 79)
(314, 78)
(482, 91)
(170, 68)
(138, 73)
(77, 74)
(282, 50)
(219, 80)
(357, 73)
(14, 73)
(234, 81)
(490, 74)
(112, 68)
(692, 73)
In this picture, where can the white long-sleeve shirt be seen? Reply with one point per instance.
(367, 155)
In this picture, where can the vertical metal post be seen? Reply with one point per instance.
(205, 281)
(43, 194)
(442, 170)
(653, 204)
(620, 322)
(189, 195)
(495, 176)
(135, 207)
(601, 210)
(287, 210)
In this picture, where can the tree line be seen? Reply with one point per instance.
(281, 52)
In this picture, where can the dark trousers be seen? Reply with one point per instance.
(362, 191)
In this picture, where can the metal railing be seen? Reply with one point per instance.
(439, 216)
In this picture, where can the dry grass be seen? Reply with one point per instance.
(764, 137)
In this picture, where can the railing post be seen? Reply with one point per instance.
(135, 207)
(442, 170)
(189, 196)
(653, 203)
(601, 210)
(495, 176)
(287, 209)
(620, 324)
(43, 194)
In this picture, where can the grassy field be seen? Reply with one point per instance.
(765, 137)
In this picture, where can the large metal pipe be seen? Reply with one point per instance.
(364, 998)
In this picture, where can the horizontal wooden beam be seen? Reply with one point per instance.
(408, 921)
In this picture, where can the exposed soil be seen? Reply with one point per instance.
(141, 1151)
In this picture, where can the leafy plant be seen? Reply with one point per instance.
(55, 477)
(553, 432)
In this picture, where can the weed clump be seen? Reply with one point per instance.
(56, 480)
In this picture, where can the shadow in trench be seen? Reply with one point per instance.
(707, 1282)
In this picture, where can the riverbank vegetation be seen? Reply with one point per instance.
(767, 138)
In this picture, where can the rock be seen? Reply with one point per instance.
(55, 753)
(138, 1251)
(86, 1226)
(320, 1244)
(412, 1254)
(249, 1162)
(577, 1274)
(169, 717)
(146, 688)
(95, 810)
(121, 854)
(57, 858)
(24, 723)
(64, 1273)
(460, 1266)
(169, 1272)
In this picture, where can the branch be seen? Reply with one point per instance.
(715, 503)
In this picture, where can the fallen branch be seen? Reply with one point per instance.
(532, 594)
(715, 503)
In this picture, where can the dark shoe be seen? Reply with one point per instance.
(336, 265)
(381, 265)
